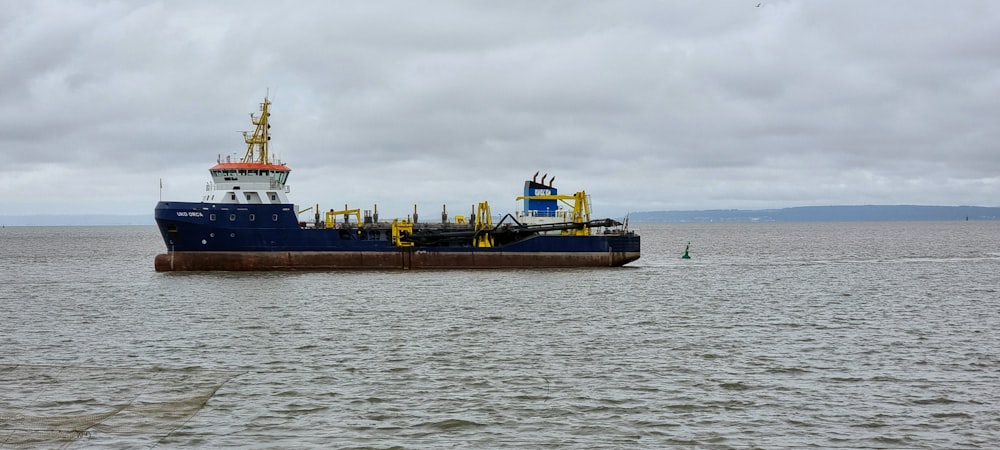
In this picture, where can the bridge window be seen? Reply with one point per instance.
(279, 176)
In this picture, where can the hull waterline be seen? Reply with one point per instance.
(383, 260)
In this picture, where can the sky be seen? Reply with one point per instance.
(645, 105)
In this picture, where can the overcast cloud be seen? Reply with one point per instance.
(646, 105)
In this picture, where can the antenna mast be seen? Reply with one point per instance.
(257, 143)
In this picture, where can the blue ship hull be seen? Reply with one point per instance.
(204, 236)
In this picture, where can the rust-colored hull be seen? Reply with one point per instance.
(401, 260)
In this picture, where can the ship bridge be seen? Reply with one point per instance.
(239, 182)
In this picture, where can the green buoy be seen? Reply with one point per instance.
(686, 255)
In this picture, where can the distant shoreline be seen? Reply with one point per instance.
(41, 220)
(861, 213)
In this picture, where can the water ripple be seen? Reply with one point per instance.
(774, 336)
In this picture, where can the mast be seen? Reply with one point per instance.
(258, 142)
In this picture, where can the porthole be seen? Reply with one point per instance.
(274, 217)
(211, 217)
(251, 217)
(232, 217)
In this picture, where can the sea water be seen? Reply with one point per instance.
(773, 335)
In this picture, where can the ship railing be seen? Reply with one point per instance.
(561, 213)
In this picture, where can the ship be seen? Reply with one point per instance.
(246, 222)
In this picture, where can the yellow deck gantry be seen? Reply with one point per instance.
(484, 223)
(331, 216)
(399, 227)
